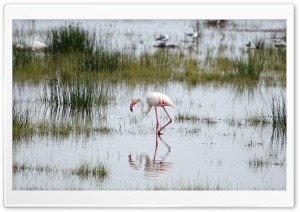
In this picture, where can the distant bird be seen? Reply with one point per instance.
(192, 35)
(223, 36)
(37, 46)
(155, 99)
(248, 44)
(162, 38)
(278, 43)
(274, 36)
(20, 46)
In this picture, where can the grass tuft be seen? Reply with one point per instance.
(70, 39)
(278, 112)
(22, 126)
(249, 68)
(85, 170)
(186, 117)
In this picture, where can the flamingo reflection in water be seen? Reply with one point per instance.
(154, 167)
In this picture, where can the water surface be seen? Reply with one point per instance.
(218, 150)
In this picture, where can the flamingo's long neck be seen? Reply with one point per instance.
(142, 107)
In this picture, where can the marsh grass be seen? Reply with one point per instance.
(185, 117)
(258, 162)
(278, 112)
(62, 130)
(249, 68)
(182, 117)
(70, 39)
(257, 121)
(259, 43)
(276, 58)
(74, 53)
(274, 113)
(21, 57)
(25, 166)
(209, 121)
(80, 96)
(188, 185)
(85, 170)
(22, 126)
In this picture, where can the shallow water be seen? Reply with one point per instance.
(216, 151)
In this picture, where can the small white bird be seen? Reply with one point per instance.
(162, 38)
(37, 45)
(20, 46)
(279, 43)
(192, 35)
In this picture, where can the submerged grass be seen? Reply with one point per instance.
(78, 96)
(181, 117)
(275, 114)
(278, 112)
(257, 121)
(185, 117)
(258, 162)
(83, 170)
(188, 185)
(99, 170)
(25, 166)
(22, 126)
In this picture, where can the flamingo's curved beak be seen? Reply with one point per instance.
(131, 107)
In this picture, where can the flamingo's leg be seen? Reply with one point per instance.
(157, 124)
(155, 148)
(167, 123)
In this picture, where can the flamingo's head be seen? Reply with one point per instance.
(134, 101)
(131, 107)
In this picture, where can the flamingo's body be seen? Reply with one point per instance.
(154, 99)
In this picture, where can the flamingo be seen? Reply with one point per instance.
(155, 99)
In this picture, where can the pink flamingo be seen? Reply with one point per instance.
(155, 99)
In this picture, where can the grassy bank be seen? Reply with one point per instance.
(75, 53)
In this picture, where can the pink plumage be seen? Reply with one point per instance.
(155, 99)
(159, 99)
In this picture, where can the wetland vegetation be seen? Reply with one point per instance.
(74, 91)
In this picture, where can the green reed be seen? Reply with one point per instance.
(70, 39)
(74, 52)
(79, 95)
(249, 68)
(275, 113)
(278, 112)
(99, 170)
(22, 125)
